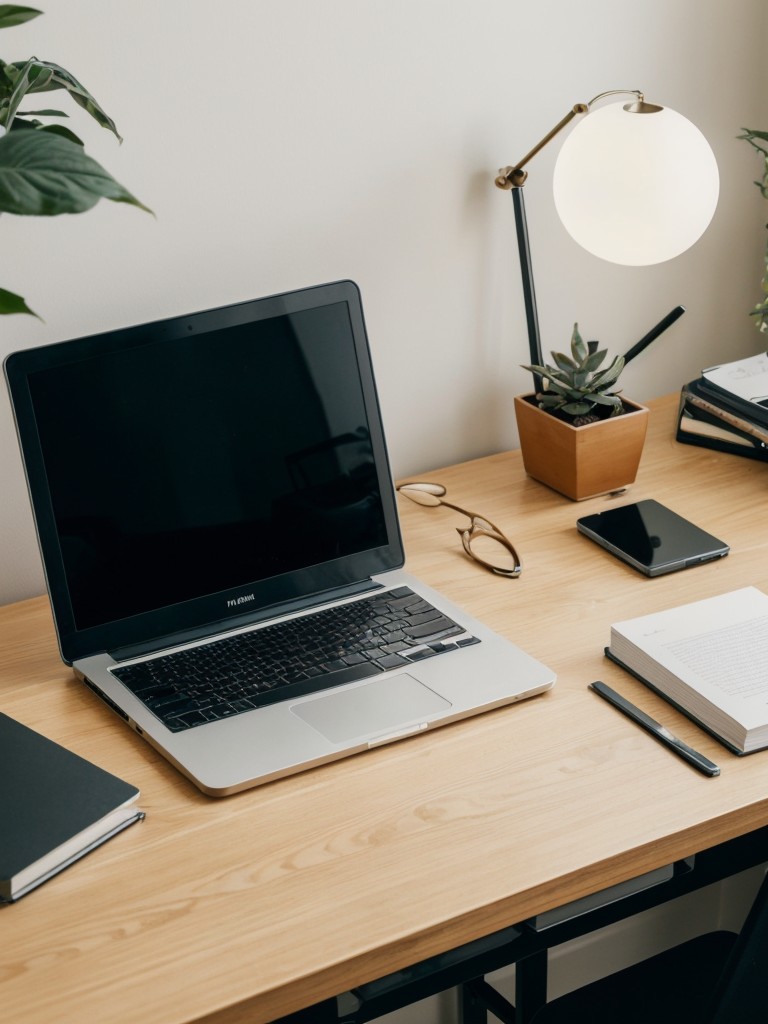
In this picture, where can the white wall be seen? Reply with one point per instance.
(287, 142)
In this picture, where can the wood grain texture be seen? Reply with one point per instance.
(243, 909)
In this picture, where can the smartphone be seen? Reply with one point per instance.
(651, 537)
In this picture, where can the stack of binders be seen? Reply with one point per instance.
(727, 408)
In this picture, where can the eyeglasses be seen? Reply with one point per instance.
(483, 542)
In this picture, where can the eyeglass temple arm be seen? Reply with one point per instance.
(463, 511)
(475, 515)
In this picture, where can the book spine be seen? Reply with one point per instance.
(745, 443)
(751, 412)
(741, 425)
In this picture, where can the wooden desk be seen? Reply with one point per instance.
(251, 907)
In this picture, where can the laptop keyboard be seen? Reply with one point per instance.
(292, 658)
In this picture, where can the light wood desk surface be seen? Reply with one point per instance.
(246, 908)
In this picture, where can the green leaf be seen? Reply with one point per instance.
(11, 15)
(563, 361)
(53, 76)
(59, 129)
(42, 113)
(610, 375)
(23, 82)
(550, 373)
(43, 174)
(751, 133)
(20, 125)
(577, 408)
(578, 345)
(594, 360)
(12, 303)
(613, 400)
(560, 389)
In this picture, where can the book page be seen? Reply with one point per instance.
(747, 378)
(715, 649)
(743, 648)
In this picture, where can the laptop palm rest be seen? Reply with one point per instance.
(379, 707)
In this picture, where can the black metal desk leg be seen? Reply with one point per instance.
(530, 985)
(478, 999)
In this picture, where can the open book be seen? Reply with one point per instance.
(709, 660)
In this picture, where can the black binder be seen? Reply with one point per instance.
(755, 411)
(703, 422)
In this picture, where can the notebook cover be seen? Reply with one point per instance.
(48, 795)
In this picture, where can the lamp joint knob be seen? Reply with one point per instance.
(511, 177)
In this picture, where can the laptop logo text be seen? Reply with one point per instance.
(235, 601)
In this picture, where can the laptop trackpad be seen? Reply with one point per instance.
(374, 708)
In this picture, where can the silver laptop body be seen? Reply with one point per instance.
(209, 476)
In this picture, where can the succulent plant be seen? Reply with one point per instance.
(577, 386)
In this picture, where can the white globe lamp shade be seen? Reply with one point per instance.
(636, 188)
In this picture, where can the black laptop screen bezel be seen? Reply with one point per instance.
(221, 609)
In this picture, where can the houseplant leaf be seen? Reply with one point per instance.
(610, 375)
(579, 347)
(12, 303)
(20, 125)
(44, 174)
(45, 76)
(44, 169)
(594, 360)
(23, 78)
(563, 361)
(11, 14)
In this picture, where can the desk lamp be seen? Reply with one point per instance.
(634, 183)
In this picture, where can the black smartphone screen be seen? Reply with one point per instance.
(651, 537)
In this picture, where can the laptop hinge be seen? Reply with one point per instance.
(210, 629)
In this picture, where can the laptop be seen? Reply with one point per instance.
(218, 483)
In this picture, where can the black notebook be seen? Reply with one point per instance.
(704, 421)
(55, 806)
(741, 386)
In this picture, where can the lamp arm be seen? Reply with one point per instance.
(512, 179)
(515, 176)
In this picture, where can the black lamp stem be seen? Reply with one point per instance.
(529, 293)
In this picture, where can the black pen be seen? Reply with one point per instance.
(703, 764)
(654, 332)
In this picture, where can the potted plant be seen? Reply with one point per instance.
(44, 169)
(759, 140)
(578, 435)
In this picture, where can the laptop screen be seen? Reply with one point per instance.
(204, 467)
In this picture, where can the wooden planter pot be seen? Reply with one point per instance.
(581, 462)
